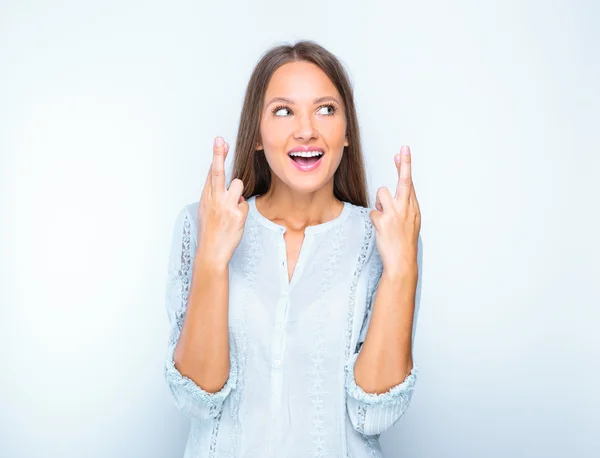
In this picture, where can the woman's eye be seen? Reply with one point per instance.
(277, 110)
(280, 109)
(331, 107)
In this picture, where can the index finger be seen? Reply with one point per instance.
(218, 166)
(207, 182)
(404, 174)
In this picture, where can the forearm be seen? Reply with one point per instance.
(385, 358)
(202, 352)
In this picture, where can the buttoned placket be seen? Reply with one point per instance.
(279, 337)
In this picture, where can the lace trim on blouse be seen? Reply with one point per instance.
(317, 391)
(251, 262)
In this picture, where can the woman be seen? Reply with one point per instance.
(292, 304)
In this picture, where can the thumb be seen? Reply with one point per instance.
(243, 206)
(375, 215)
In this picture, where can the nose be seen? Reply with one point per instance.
(305, 129)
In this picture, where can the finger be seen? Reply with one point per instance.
(375, 215)
(403, 164)
(385, 198)
(218, 166)
(412, 195)
(207, 182)
(225, 149)
(414, 201)
(235, 191)
(244, 207)
(378, 204)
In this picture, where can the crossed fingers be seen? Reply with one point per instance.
(215, 178)
(215, 184)
(405, 189)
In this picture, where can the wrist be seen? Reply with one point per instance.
(405, 271)
(207, 262)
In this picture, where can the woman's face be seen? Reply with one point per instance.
(312, 118)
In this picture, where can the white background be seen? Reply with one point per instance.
(107, 115)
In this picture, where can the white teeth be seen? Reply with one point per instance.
(307, 153)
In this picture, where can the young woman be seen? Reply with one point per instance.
(291, 303)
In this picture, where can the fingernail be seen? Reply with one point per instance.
(397, 158)
(218, 141)
(405, 150)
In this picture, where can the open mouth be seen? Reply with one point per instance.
(306, 159)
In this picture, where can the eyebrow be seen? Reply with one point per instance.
(291, 102)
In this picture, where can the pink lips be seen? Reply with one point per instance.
(307, 168)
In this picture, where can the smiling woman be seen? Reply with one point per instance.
(300, 97)
(275, 280)
(299, 77)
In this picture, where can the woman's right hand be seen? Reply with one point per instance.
(222, 212)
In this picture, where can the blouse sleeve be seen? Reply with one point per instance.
(372, 413)
(189, 398)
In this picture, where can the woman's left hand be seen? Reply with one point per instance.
(397, 221)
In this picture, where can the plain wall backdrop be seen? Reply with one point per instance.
(107, 115)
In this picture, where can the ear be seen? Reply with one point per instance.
(346, 141)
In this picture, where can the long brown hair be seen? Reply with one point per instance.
(250, 165)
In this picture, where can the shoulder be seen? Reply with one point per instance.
(187, 218)
(361, 225)
(191, 210)
(360, 216)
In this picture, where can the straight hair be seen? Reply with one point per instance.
(250, 165)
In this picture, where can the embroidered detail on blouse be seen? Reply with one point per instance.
(213, 440)
(251, 262)
(362, 259)
(396, 400)
(177, 296)
(179, 279)
(370, 442)
(220, 429)
(371, 445)
(374, 275)
(320, 318)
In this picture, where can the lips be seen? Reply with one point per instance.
(306, 148)
(306, 164)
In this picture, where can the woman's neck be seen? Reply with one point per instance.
(296, 210)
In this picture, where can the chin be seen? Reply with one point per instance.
(306, 185)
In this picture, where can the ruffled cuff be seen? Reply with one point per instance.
(177, 380)
(395, 395)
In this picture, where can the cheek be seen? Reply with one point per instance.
(274, 162)
(335, 132)
(336, 160)
(274, 134)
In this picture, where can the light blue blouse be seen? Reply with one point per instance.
(291, 390)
